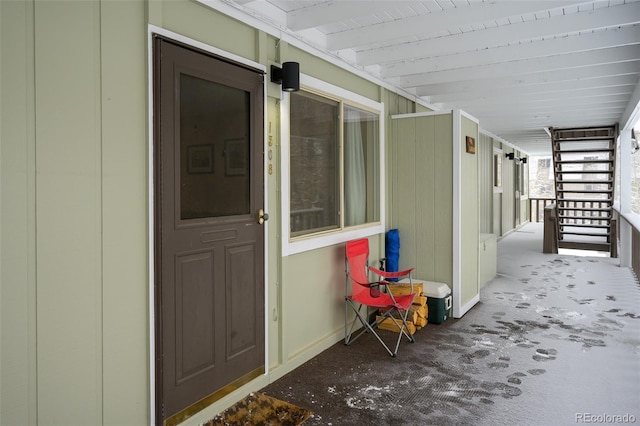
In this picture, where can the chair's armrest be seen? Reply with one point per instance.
(371, 284)
(374, 287)
(386, 274)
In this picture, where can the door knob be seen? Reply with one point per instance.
(262, 216)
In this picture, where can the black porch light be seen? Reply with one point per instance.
(288, 76)
(509, 155)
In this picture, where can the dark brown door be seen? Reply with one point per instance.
(209, 245)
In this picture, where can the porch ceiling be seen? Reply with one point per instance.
(517, 66)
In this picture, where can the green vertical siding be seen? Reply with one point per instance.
(443, 200)
(508, 190)
(68, 215)
(469, 211)
(485, 182)
(74, 221)
(74, 195)
(124, 213)
(421, 188)
(17, 216)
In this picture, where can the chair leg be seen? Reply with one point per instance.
(365, 329)
(401, 323)
(348, 336)
(402, 328)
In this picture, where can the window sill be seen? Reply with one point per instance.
(314, 242)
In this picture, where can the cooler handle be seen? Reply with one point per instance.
(447, 303)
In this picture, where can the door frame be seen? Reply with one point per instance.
(152, 31)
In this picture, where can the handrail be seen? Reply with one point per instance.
(540, 204)
(550, 239)
(305, 219)
(632, 218)
(629, 239)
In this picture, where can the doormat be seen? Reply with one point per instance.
(260, 409)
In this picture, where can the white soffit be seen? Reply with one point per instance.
(518, 66)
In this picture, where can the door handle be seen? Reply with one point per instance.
(262, 216)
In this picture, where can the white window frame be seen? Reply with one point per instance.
(328, 238)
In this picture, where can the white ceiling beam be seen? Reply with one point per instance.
(567, 120)
(555, 121)
(613, 84)
(530, 102)
(554, 118)
(530, 133)
(632, 67)
(437, 21)
(335, 11)
(526, 66)
(521, 115)
(517, 52)
(552, 111)
(469, 41)
(560, 110)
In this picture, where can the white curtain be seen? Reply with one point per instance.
(355, 183)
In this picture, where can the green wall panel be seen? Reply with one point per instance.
(421, 190)
(443, 200)
(485, 180)
(17, 216)
(206, 25)
(75, 328)
(469, 210)
(69, 203)
(508, 191)
(125, 368)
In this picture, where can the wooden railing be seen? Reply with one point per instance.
(536, 208)
(305, 219)
(579, 219)
(600, 213)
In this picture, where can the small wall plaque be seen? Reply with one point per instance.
(471, 145)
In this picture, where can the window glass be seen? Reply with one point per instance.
(334, 165)
(361, 171)
(314, 163)
(214, 149)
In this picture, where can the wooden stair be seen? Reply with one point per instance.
(584, 169)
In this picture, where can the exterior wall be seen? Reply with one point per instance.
(74, 225)
(485, 182)
(497, 197)
(421, 188)
(508, 190)
(17, 216)
(74, 292)
(470, 225)
(74, 219)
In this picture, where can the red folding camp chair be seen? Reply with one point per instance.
(373, 295)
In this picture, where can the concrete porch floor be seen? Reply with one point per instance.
(555, 340)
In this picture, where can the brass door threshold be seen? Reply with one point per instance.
(183, 415)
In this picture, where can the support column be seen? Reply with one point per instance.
(624, 155)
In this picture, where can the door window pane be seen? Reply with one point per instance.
(214, 149)
(361, 167)
(314, 164)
